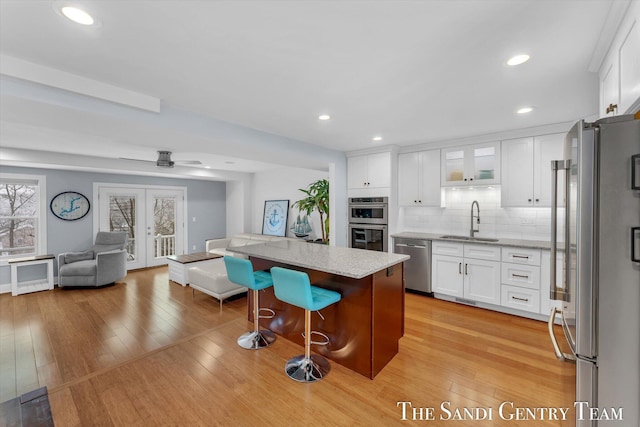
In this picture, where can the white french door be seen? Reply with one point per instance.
(152, 216)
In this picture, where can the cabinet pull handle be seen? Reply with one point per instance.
(466, 270)
(521, 256)
(520, 275)
(520, 299)
(460, 268)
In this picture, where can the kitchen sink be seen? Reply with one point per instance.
(456, 237)
(476, 239)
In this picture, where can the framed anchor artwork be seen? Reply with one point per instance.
(274, 222)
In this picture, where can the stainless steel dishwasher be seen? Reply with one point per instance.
(417, 270)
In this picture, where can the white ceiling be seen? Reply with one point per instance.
(411, 71)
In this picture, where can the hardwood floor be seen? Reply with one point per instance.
(144, 352)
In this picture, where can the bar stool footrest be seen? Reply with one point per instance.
(307, 370)
(325, 338)
(271, 314)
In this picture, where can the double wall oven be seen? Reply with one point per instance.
(368, 223)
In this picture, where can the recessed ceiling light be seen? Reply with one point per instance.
(324, 117)
(77, 15)
(518, 59)
(525, 110)
(377, 138)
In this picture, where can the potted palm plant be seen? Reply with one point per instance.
(317, 199)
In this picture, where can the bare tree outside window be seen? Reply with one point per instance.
(18, 218)
(164, 214)
(122, 217)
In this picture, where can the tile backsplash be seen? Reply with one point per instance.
(495, 221)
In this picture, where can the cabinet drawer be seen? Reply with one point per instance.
(491, 253)
(527, 276)
(520, 298)
(447, 248)
(521, 256)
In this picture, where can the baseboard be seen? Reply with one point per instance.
(5, 288)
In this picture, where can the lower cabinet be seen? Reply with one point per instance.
(464, 277)
(509, 279)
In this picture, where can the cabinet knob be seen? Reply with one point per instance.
(529, 200)
(537, 200)
(465, 179)
(470, 179)
(419, 201)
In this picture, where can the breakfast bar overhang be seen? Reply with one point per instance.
(365, 326)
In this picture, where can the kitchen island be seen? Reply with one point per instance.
(365, 326)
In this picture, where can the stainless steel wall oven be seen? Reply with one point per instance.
(368, 219)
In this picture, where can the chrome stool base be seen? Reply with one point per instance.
(307, 370)
(256, 340)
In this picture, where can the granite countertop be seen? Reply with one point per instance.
(349, 262)
(532, 244)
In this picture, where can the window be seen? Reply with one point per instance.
(22, 215)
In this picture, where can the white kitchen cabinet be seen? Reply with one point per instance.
(620, 69)
(482, 280)
(369, 171)
(419, 178)
(470, 165)
(446, 275)
(464, 277)
(521, 279)
(526, 170)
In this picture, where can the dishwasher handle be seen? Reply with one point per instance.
(410, 245)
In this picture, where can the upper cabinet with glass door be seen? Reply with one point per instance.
(469, 165)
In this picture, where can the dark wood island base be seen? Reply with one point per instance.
(364, 327)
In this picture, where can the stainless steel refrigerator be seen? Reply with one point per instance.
(596, 231)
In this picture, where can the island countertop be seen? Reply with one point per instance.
(348, 262)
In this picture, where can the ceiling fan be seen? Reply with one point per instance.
(164, 160)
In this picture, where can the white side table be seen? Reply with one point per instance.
(179, 265)
(25, 287)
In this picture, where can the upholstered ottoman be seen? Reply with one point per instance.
(211, 279)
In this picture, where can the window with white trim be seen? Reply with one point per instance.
(23, 215)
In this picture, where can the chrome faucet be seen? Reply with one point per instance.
(474, 230)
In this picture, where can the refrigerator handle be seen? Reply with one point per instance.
(557, 165)
(554, 240)
(556, 348)
(634, 230)
(567, 230)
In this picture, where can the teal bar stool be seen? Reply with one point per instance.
(240, 271)
(293, 287)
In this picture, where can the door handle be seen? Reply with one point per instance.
(634, 230)
(459, 268)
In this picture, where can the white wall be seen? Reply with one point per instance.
(239, 200)
(495, 221)
(283, 184)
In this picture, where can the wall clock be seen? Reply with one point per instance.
(70, 206)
